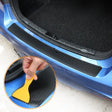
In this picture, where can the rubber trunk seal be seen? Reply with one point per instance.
(79, 65)
(34, 28)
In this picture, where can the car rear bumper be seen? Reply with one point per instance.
(102, 83)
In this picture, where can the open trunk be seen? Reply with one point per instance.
(85, 25)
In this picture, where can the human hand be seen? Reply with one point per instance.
(31, 65)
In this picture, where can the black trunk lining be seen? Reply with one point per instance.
(80, 22)
(79, 65)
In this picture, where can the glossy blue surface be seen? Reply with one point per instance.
(11, 86)
(102, 83)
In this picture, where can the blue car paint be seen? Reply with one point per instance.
(102, 83)
(11, 86)
(10, 19)
(15, 84)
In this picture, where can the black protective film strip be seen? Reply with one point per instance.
(79, 65)
(39, 89)
(14, 71)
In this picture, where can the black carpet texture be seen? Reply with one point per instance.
(87, 23)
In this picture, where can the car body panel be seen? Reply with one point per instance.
(15, 84)
(102, 83)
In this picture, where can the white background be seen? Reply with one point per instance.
(66, 99)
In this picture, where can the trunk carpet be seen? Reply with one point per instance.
(81, 22)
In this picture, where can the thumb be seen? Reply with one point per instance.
(32, 69)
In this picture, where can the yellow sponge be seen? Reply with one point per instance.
(23, 92)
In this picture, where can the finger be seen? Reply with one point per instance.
(42, 66)
(34, 65)
(35, 77)
(25, 67)
(26, 63)
(27, 60)
(28, 76)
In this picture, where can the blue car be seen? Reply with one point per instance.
(74, 36)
